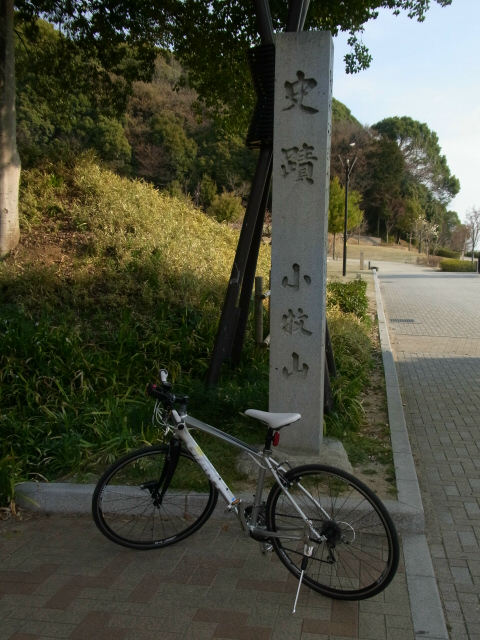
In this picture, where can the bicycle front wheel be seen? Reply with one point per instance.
(356, 552)
(126, 507)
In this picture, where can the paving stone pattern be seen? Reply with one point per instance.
(439, 367)
(442, 304)
(59, 578)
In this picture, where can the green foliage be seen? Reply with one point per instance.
(110, 141)
(457, 265)
(475, 254)
(336, 208)
(59, 111)
(342, 112)
(420, 148)
(140, 286)
(446, 253)
(219, 33)
(208, 191)
(224, 157)
(105, 50)
(352, 349)
(349, 297)
(227, 207)
(349, 330)
(169, 133)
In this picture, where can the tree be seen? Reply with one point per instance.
(114, 43)
(384, 192)
(459, 238)
(422, 154)
(473, 223)
(219, 70)
(110, 44)
(336, 210)
(9, 158)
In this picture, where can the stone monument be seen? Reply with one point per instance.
(301, 178)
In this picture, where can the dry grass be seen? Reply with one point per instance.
(383, 253)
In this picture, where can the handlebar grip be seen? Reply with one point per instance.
(154, 392)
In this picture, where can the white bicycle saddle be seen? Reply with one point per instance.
(273, 420)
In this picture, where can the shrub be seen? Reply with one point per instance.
(349, 297)
(351, 346)
(469, 254)
(457, 265)
(226, 207)
(431, 261)
(447, 253)
(208, 191)
(108, 137)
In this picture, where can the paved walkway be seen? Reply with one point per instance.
(438, 360)
(59, 578)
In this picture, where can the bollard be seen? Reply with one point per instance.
(369, 265)
(361, 261)
(478, 264)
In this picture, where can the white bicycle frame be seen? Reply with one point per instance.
(265, 462)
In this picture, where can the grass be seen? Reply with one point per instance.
(383, 253)
(112, 280)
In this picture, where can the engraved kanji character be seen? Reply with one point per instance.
(296, 279)
(296, 92)
(291, 158)
(292, 323)
(300, 160)
(303, 372)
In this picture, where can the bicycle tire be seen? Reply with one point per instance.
(126, 514)
(361, 554)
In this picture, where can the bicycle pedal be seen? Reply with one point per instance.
(233, 507)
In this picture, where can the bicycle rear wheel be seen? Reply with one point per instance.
(360, 555)
(126, 508)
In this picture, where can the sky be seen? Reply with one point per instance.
(429, 71)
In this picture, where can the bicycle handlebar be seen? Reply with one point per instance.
(166, 398)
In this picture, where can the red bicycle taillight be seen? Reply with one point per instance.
(276, 438)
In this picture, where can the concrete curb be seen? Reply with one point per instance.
(425, 604)
(408, 490)
(69, 498)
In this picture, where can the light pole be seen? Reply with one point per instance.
(348, 171)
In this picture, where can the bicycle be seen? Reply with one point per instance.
(327, 527)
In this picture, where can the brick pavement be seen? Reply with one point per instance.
(59, 578)
(438, 360)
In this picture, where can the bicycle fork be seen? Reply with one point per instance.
(158, 488)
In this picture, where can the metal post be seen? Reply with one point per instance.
(362, 266)
(329, 359)
(258, 310)
(478, 263)
(248, 278)
(347, 173)
(228, 319)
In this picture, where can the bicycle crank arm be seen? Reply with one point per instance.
(273, 534)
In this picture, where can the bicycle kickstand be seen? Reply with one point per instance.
(307, 553)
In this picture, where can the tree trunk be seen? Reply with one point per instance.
(334, 237)
(9, 158)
